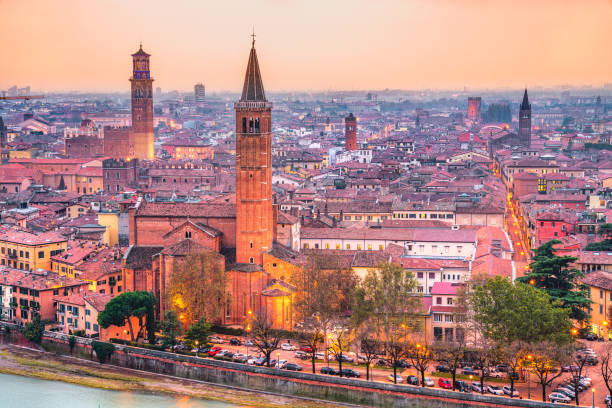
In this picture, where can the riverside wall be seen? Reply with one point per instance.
(290, 383)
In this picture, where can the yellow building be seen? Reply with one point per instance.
(600, 287)
(110, 220)
(26, 251)
(76, 210)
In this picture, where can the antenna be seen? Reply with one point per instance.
(253, 35)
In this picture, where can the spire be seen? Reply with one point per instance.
(140, 52)
(253, 89)
(525, 105)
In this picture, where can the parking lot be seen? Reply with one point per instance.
(290, 354)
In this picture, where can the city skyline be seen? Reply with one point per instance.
(397, 45)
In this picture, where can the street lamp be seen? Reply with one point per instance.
(529, 357)
(246, 343)
(593, 389)
(196, 347)
(124, 337)
(278, 360)
(371, 372)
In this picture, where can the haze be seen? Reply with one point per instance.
(307, 45)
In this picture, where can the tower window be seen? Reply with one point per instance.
(251, 260)
(244, 128)
(250, 125)
(251, 245)
(187, 234)
(256, 125)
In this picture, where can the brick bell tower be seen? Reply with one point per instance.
(254, 213)
(350, 133)
(142, 106)
(524, 130)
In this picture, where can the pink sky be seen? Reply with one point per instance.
(307, 45)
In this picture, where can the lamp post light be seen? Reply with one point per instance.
(196, 347)
(124, 337)
(371, 372)
(593, 397)
(530, 358)
(246, 343)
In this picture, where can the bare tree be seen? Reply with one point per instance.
(606, 367)
(313, 335)
(576, 368)
(340, 339)
(420, 356)
(451, 353)
(513, 356)
(485, 354)
(264, 338)
(367, 345)
(543, 358)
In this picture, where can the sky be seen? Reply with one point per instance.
(307, 45)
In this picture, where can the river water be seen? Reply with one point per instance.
(26, 392)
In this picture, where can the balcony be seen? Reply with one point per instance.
(12, 255)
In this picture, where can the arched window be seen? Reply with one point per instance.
(256, 125)
(250, 125)
(244, 125)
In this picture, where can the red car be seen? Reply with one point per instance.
(213, 351)
(306, 349)
(444, 383)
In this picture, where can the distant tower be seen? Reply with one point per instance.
(524, 130)
(254, 211)
(474, 104)
(142, 106)
(350, 132)
(199, 92)
(4, 154)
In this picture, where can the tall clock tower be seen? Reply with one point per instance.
(524, 130)
(254, 209)
(142, 106)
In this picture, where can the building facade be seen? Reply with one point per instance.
(142, 106)
(350, 132)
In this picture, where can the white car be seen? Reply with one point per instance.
(556, 397)
(429, 382)
(509, 391)
(397, 377)
(495, 390)
(495, 374)
(320, 356)
(217, 340)
(288, 347)
(281, 363)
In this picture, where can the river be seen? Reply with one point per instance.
(26, 392)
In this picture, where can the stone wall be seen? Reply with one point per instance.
(281, 381)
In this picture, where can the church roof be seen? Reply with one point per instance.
(140, 53)
(525, 104)
(253, 89)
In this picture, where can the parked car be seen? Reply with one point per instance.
(260, 361)
(445, 383)
(252, 360)
(429, 382)
(591, 337)
(213, 351)
(293, 367)
(235, 342)
(217, 340)
(281, 363)
(568, 368)
(504, 368)
(381, 362)
(495, 390)
(222, 353)
(510, 392)
(320, 356)
(462, 386)
(566, 391)
(402, 364)
(557, 397)
(306, 349)
(397, 377)
(249, 343)
(348, 372)
(469, 371)
(476, 388)
(493, 373)
(412, 380)
(443, 368)
(301, 355)
(345, 358)
(239, 357)
(513, 374)
(288, 347)
(272, 363)
(608, 401)
(328, 370)
(361, 359)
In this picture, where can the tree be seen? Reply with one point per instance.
(484, 355)
(103, 350)
(420, 356)
(170, 328)
(577, 363)
(513, 355)
(606, 366)
(369, 347)
(312, 335)
(120, 310)
(554, 275)
(62, 183)
(71, 343)
(605, 230)
(388, 297)
(340, 339)
(197, 334)
(451, 353)
(323, 289)
(543, 358)
(197, 287)
(33, 330)
(264, 338)
(507, 312)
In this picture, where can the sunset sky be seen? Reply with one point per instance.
(307, 45)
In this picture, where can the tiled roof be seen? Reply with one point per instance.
(195, 210)
(140, 257)
(598, 279)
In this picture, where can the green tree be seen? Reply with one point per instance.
(543, 360)
(103, 350)
(198, 286)
(605, 230)
(507, 312)
(554, 275)
(388, 301)
(198, 332)
(33, 330)
(170, 328)
(62, 183)
(122, 308)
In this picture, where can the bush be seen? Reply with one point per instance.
(103, 350)
(72, 343)
(33, 330)
(136, 344)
